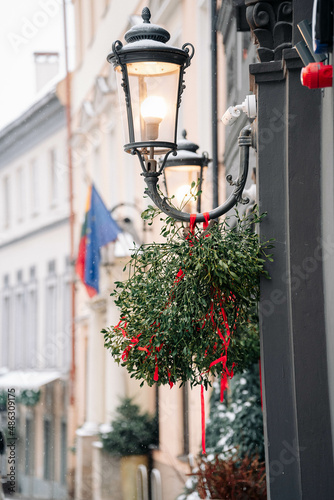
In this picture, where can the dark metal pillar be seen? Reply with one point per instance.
(214, 107)
(299, 455)
(306, 285)
(279, 410)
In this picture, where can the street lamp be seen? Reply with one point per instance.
(183, 169)
(150, 83)
(151, 75)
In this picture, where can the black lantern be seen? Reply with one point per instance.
(150, 76)
(184, 169)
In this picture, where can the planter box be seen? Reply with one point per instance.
(129, 466)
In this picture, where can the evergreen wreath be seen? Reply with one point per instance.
(29, 397)
(3, 400)
(189, 306)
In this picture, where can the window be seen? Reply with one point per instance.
(34, 187)
(6, 328)
(48, 450)
(52, 267)
(29, 446)
(53, 177)
(6, 202)
(63, 452)
(32, 325)
(32, 272)
(19, 327)
(51, 318)
(67, 321)
(20, 194)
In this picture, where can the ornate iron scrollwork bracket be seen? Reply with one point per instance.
(151, 179)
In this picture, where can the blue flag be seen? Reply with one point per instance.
(98, 229)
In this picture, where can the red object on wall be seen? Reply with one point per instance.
(317, 75)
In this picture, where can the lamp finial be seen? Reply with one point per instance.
(146, 15)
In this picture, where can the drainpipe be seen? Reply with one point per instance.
(214, 100)
(70, 186)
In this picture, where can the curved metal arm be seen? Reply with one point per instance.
(245, 141)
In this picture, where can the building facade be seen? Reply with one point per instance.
(35, 286)
(294, 176)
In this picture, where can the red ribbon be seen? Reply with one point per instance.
(179, 276)
(127, 350)
(118, 327)
(169, 380)
(206, 220)
(223, 359)
(192, 223)
(203, 419)
(144, 349)
(156, 371)
(226, 342)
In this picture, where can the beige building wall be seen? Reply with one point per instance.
(98, 155)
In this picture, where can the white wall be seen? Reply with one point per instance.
(32, 240)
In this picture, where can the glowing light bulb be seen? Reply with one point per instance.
(153, 110)
(183, 194)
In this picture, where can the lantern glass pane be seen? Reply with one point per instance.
(154, 96)
(178, 184)
(122, 105)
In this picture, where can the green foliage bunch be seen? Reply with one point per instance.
(176, 297)
(3, 400)
(29, 397)
(237, 424)
(132, 433)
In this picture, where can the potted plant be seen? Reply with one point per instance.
(131, 436)
(233, 478)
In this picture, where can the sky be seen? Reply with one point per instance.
(27, 26)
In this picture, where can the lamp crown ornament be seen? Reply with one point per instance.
(150, 74)
(146, 30)
(185, 144)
